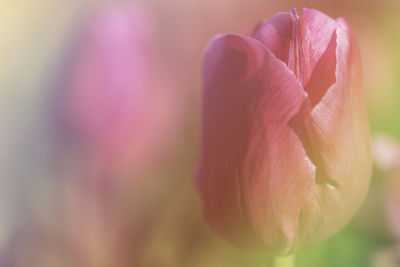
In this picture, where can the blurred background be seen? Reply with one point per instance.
(99, 132)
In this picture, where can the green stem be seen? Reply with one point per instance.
(284, 261)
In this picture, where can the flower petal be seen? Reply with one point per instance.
(315, 30)
(338, 131)
(275, 33)
(309, 42)
(254, 175)
(323, 75)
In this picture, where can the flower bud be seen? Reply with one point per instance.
(285, 157)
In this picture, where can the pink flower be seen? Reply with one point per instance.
(118, 103)
(285, 157)
(387, 158)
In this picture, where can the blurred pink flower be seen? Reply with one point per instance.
(285, 158)
(387, 153)
(387, 157)
(121, 113)
(392, 201)
(118, 102)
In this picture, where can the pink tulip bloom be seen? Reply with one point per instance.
(285, 157)
(118, 103)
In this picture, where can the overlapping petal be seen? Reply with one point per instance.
(310, 39)
(339, 134)
(275, 34)
(249, 152)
